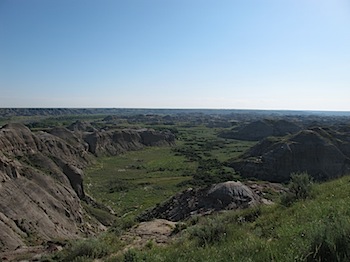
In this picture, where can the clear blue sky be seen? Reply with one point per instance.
(247, 54)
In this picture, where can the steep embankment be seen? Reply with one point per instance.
(323, 153)
(41, 179)
(39, 173)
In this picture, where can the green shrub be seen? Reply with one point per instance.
(211, 232)
(118, 185)
(249, 215)
(130, 256)
(300, 187)
(101, 215)
(86, 249)
(178, 228)
(120, 225)
(83, 259)
(330, 241)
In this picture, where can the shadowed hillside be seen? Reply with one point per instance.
(323, 153)
(260, 129)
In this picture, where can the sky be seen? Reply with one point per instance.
(225, 54)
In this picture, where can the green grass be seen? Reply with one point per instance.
(135, 181)
(205, 142)
(315, 229)
(312, 229)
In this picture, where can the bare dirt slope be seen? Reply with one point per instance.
(41, 179)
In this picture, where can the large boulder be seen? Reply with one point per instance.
(222, 196)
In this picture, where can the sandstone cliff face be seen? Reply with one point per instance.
(117, 141)
(324, 154)
(41, 178)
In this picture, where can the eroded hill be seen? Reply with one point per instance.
(322, 152)
(41, 176)
(261, 129)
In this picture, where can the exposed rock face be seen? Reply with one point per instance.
(117, 141)
(324, 154)
(228, 195)
(150, 137)
(260, 129)
(41, 178)
(82, 126)
(158, 231)
(34, 205)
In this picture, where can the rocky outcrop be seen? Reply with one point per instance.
(323, 153)
(150, 137)
(41, 178)
(81, 126)
(223, 196)
(118, 141)
(260, 129)
(38, 197)
(158, 231)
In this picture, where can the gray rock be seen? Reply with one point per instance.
(41, 178)
(222, 196)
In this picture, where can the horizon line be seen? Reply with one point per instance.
(185, 108)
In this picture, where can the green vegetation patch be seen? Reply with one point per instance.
(311, 229)
(135, 181)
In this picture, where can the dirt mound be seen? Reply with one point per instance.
(228, 195)
(260, 129)
(157, 231)
(323, 153)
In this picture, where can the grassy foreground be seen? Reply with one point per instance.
(314, 229)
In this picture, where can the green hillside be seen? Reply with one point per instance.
(316, 229)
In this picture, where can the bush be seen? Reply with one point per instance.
(130, 256)
(249, 215)
(300, 187)
(120, 225)
(330, 240)
(103, 216)
(86, 249)
(118, 185)
(178, 228)
(212, 232)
